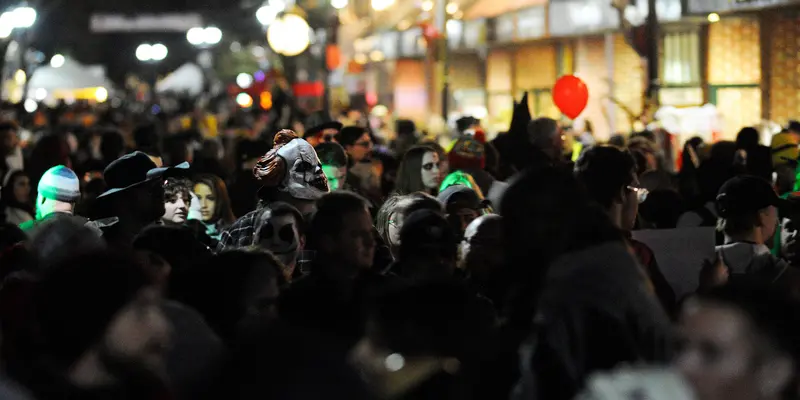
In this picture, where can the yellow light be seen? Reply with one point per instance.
(403, 25)
(101, 94)
(380, 5)
(360, 58)
(458, 15)
(427, 5)
(265, 100)
(713, 17)
(244, 100)
(377, 56)
(20, 77)
(451, 8)
(289, 35)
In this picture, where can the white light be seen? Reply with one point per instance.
(195, 36)
(101, 94)
(57, 61)
(144, 52)
(267, 14)
(40, 94)
(451, 8)
(394, 362)
(212, 35)
(236, 47)
(244, 100)
(380, 5)
(427, 5)
(31, 105)
(289, 35)
(244, 80)
(339, 4)
(24, 17)
(6, 24)
(159, 52)
(713, 17)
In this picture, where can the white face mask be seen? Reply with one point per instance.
(281, 236)
(431, 172)
(304, 178)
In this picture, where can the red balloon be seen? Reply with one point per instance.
(570, 95)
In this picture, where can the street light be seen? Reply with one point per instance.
(289, 35)
(147, 52)
(209, 36)
(268, 13)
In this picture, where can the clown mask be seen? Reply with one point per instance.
(293, 166)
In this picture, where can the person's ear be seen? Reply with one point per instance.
(774, 376)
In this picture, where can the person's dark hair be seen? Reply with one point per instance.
(331, 153)
(8, 127)
(223, 290)
(112, 146)
(147, 139)
(541, 131)
(409, 174)
(748, 138)
(7, 198)
(332, 208)
(222, 211)
(175, 187)
(546, 214)
(349, 135)
(384, 215)
(738, 224)
(605, 171)
(49, 151)
(13, 254)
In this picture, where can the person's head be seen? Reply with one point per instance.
(419, 171)
(147, 140)
(280, 230)
(481, 250)
(545, 135)
(739, 341)
(236, 284)
(334, 163)
(462, 205)
(356, 141)
(342, 234)
(428, 246)
(112, 146)
(176, 200)
(59, 190)
(17, 189)
(392, 214)
(748, 138)
(99, 314)
(8, 138)
(644, 152)
(609, 175)
(748, 209)
(467, 153)
(215, 205)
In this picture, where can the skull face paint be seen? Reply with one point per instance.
(280, 235)
(304, 178)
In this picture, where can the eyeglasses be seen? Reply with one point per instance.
(365, 143)
(429, 166)
(641, 193)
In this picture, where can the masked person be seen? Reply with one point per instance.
(292, 173)
(334, 164)
(420, 171)
(280, 231)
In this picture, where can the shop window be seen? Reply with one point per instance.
(680, 61)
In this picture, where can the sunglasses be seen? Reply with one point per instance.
(429, 166)
(641, 193)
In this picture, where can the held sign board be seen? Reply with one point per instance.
(176, 22)
(709, 6)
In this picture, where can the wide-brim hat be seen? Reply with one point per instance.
(135, 169)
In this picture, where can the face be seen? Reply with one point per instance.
(431, 170)
(8, 142)
(481, 248)
(176, 210)
(208, 202)
(336, 176)
(304, 178)
(359, 150)
(718, 354)
(281, 236)
(769, 222)
(139, 335)
(22, 189)
(356, 243)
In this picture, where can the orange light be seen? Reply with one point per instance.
(265, 100)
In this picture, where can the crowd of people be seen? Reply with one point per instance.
(141, 261)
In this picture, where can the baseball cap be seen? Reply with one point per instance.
(746, 194)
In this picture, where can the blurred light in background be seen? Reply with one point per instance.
(6, 25)
(40, 94)
(195, 36)
(403, 25)
(23, 17)
(159, 52)
(268, 13)
(713, 17)
(427, 5)
(101, 95)
(265, 100)
(380, 5)
(376, 56)
(57, 61)
(20, 77)
(290, 35)
(360, 58)
(244, 100)
(339, 4)
(31, 105)
(260, 76)
(244, 80)
(380, 111)
(451, 8)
